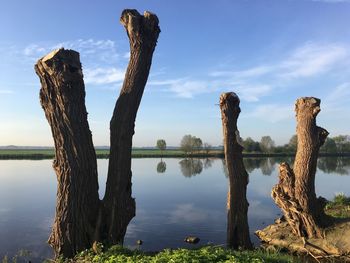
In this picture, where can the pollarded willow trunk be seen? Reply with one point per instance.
(119, 205)
(62, 97)
(295, 193)
(237, 204)
(81, 218)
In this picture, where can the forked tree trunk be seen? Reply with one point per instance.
(81, 218)
(295, 193)
(62, 97)
(237, 204)
(143, 33)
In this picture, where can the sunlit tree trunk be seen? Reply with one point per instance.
(295, 193)
(237, 204)
(119, 205)
(81, 218)
(62, 97)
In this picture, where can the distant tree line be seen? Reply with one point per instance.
(191, 144)
(337, 144)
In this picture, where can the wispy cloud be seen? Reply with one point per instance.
(272, 112)
(6, 91)
(102, 62)
(312, 59)
(99, 76)
(309, 60)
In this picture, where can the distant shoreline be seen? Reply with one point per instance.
(42, 154)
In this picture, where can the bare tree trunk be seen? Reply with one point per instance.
(237, 204)
(81, 218)
(143, 33)
(62, 97)
(295, 193)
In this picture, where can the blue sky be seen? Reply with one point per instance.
(268, 52)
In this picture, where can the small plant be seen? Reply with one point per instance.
(339, 206)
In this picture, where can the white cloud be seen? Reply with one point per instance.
(252, 93)
(252, 72)
(340, 93)
(273, 112)
(100, 59)
(99, 76)
(189, 88)
(312, 59)
(309, 60)
(6, 91)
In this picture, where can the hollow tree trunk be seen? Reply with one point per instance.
(237, 204)
(295, 193)
(62, 97)
(119, 206)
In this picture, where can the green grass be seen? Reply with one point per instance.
(339, 207)
(208, 254)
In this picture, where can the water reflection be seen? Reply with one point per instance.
(161, 167)
(208, 162)
(337, 165)
(191, 167)
(168, 207)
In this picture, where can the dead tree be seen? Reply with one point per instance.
(237, 203)
(81, 218)
(295, 193)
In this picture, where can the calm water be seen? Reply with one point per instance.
(175, 198)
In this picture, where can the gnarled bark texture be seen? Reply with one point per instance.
(62, 97)
(81, 218)
(295, 193)
(237, 204)
(119, 206)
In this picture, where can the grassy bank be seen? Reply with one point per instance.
(208, 254)
(38, 154)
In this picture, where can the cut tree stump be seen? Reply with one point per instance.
(305, 227)
(143, 32)
(237, 203)
(62, 97)
(295, 193)
(82, 219)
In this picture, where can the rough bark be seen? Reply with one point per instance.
(119, 205)
(295, 193)
(237, 204)
(62, 97)
(81, 218)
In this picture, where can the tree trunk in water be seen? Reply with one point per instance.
(62, 97)
(295, 193)
(237, 204)
(119, 206)
(81, 217)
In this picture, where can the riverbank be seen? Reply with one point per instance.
(40, 154)
(335, 245)
(208, 254)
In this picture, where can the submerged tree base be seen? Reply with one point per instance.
(335, 244)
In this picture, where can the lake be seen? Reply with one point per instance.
(174, 198)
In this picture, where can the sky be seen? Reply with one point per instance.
(269, 52)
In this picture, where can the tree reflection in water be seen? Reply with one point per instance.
(338, 165)
(161, 167)
(191, 167)
(208, 162)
